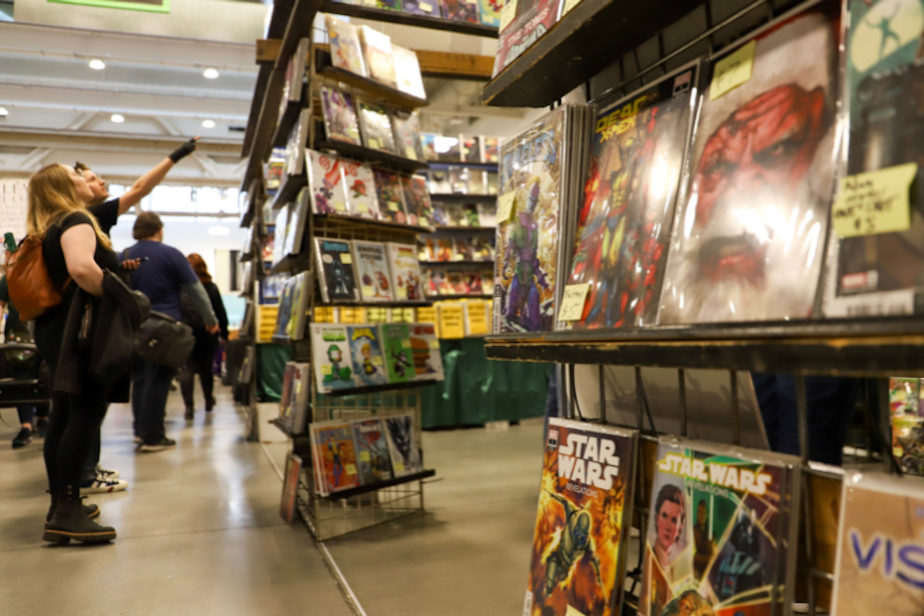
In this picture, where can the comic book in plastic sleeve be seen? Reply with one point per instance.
(422, 7)
(340, 120)
(325, 184)
(407, 72)
(335, 270)
(390, 196)
(417, 200)
(376, 127)
(722, 531)
(359, 186)
(460, 10)
(489, 12)
(624, 225)
(578, 558)
(368, 365)
(532, 21)
(402, 443)
(750, 232)
(373, 457)
(396, 349)
(345, 48)
(333, 363)
(527, 243)
(372, 271)
(379, 59)
(332, 444)
(407, 135)
(425, 347)
(406, 278)
(880, 548)
(873, 272)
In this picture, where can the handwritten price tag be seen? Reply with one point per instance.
(505, 206)
(346, 258)
(340, 206)
(393, 206)
(572, 302)
(732, 71)
(874, 202)
(410, 152)
(427, 8)
(351, 469)
(364, 456)
(507, 14)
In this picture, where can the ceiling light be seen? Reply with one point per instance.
(209, 123)
(97, 65)
(210, 73)
(4, 112)
(219, 230)
(118, 118)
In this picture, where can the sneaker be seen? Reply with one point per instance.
(41, 426)
(105, 472)
(23, 438)
(190, 413)
(101, 485)
(158, 445)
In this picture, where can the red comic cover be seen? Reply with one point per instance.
(534, 18)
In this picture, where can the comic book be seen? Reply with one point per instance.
(290, 488)
(376, 127)
(875, 268)
(460, 10)
(359, 186)
(428, 140)
(471, 148)
(372, 271)
(462, 249)
(722, 532)
(439, 182)
(333, 362)
(482, 250)
(580, 543)
(472, 282)
(458, 180)
(284, 309)
(340, 121)
(402, 443)
(533, 19)
(298, 317)
(404, 267)
(750, 233)
(487, 214)
(425, 347)
(624, 225)
(491, 149)
(439, 285)
(300, 210)
(377, 51)
(492, 182)
(407, 134)
(332, 448)
(297, 411)
(345, 49)
(374, 460)
(907, 419)
(417, 200)
(879, 546)
(407, 71)
(325, 184)
(422, 7)
(489, 14)
(390, 196)
(368, 367)
(477, 182)
(396, 348)
(444, 250)
(456, 282)
(335, 270)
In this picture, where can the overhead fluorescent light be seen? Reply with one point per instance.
(97, 65)
(219, 230)
(208, 123)
(118, 118)
(210, 73)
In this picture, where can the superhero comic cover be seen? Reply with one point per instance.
(332, 449)
(340, 121)
(368, 367)
(345, 49)
(374, 460)
(326, 185)
(396, 349)
(371, 266)
(359, 186)
(333, 362)
(533, 19)
(402, 443)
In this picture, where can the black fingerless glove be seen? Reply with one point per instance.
(183, 151)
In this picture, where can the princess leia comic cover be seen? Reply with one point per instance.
(749, 238)
(585, 505)
(624, 226)
(721, 520)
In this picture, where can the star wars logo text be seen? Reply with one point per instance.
(588, 460)
(902, 561)
(725, 475)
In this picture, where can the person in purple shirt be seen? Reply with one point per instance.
(163, 275)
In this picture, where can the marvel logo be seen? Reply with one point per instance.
(860, 280)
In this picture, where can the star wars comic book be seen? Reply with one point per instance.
(406, 279)
(880, 545)
(359, 186)
(581, 539)
(345, 49)
(379, 59)
(879, 273)
(333, 363)
(396, 348)
(340, 121)
(325, 184)
(373, 457)
(371, 267)
(624, 225)
(407, 134)
(376, 127)
(402, 443)
(368, 366)
(333, 451)
(335, 270)
(722, 522)
(390, 196)
(425, 347)
(407, 71)
(749, 235)
(417, 200)
(533, 19)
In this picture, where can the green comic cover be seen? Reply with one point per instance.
(396, 344)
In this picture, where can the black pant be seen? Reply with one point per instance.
(199, 362)
(28, 412)
(150, 388)
(73, 425)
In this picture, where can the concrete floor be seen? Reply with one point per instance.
(199, 531)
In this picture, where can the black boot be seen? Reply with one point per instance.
(91, 510)
(70, 521)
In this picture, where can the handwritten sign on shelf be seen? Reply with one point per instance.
(572, 302)
(874, 202)
(732, 71)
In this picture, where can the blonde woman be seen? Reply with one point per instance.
(76, 251)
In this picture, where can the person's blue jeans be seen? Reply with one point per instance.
(150, 388)
(831, 402)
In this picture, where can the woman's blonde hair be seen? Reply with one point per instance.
(52, 196)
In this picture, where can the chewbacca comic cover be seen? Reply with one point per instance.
(749, 238)
(883, 273)
(527, 243)
(720, 521)
(624, 226)
(579, 549)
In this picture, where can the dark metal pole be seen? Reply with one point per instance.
(736, 410)
(682, 389)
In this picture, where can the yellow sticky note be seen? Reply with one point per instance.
(410, 152)
(368, 291)
(572, 302)
(399, 467)
(375, 143)
(340, 206)
(569, 4)
(393, 206)
(874, 202)
(507, 14)
(364, 456)
(351, 469)
(732, 71)
(435, 344)
(346, 258)
(406, 343)
(505, 206)
(427, 8)
(377, 361)
(326, 369)
(371, 3)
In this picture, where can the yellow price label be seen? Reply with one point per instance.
(399, 467)
(732, 71)
(427, 8)
(346, 258)
(393, 206)
(364, 208)
(340, 206)
(569, 4)
(874, 202)
(368, 291)
(371, 3)
(326, 369)
(410, 152)
(364, 456)
(505, 206)
(406, 344)
(435, 344)
(351, 469)
(572, 302)
(377, 360)
(508, 13)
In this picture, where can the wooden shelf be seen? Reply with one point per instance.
(454, 198)
(368, 155)
(594, 35)
(408, 19)
(374, 89)
(457, 228)
(374, 223)
(372, 487)
(292, 263)
(287, 120)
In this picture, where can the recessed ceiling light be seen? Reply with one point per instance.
(118, 118)
(97, 65)
(208, 123)
(4, 112)
(210, 73)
